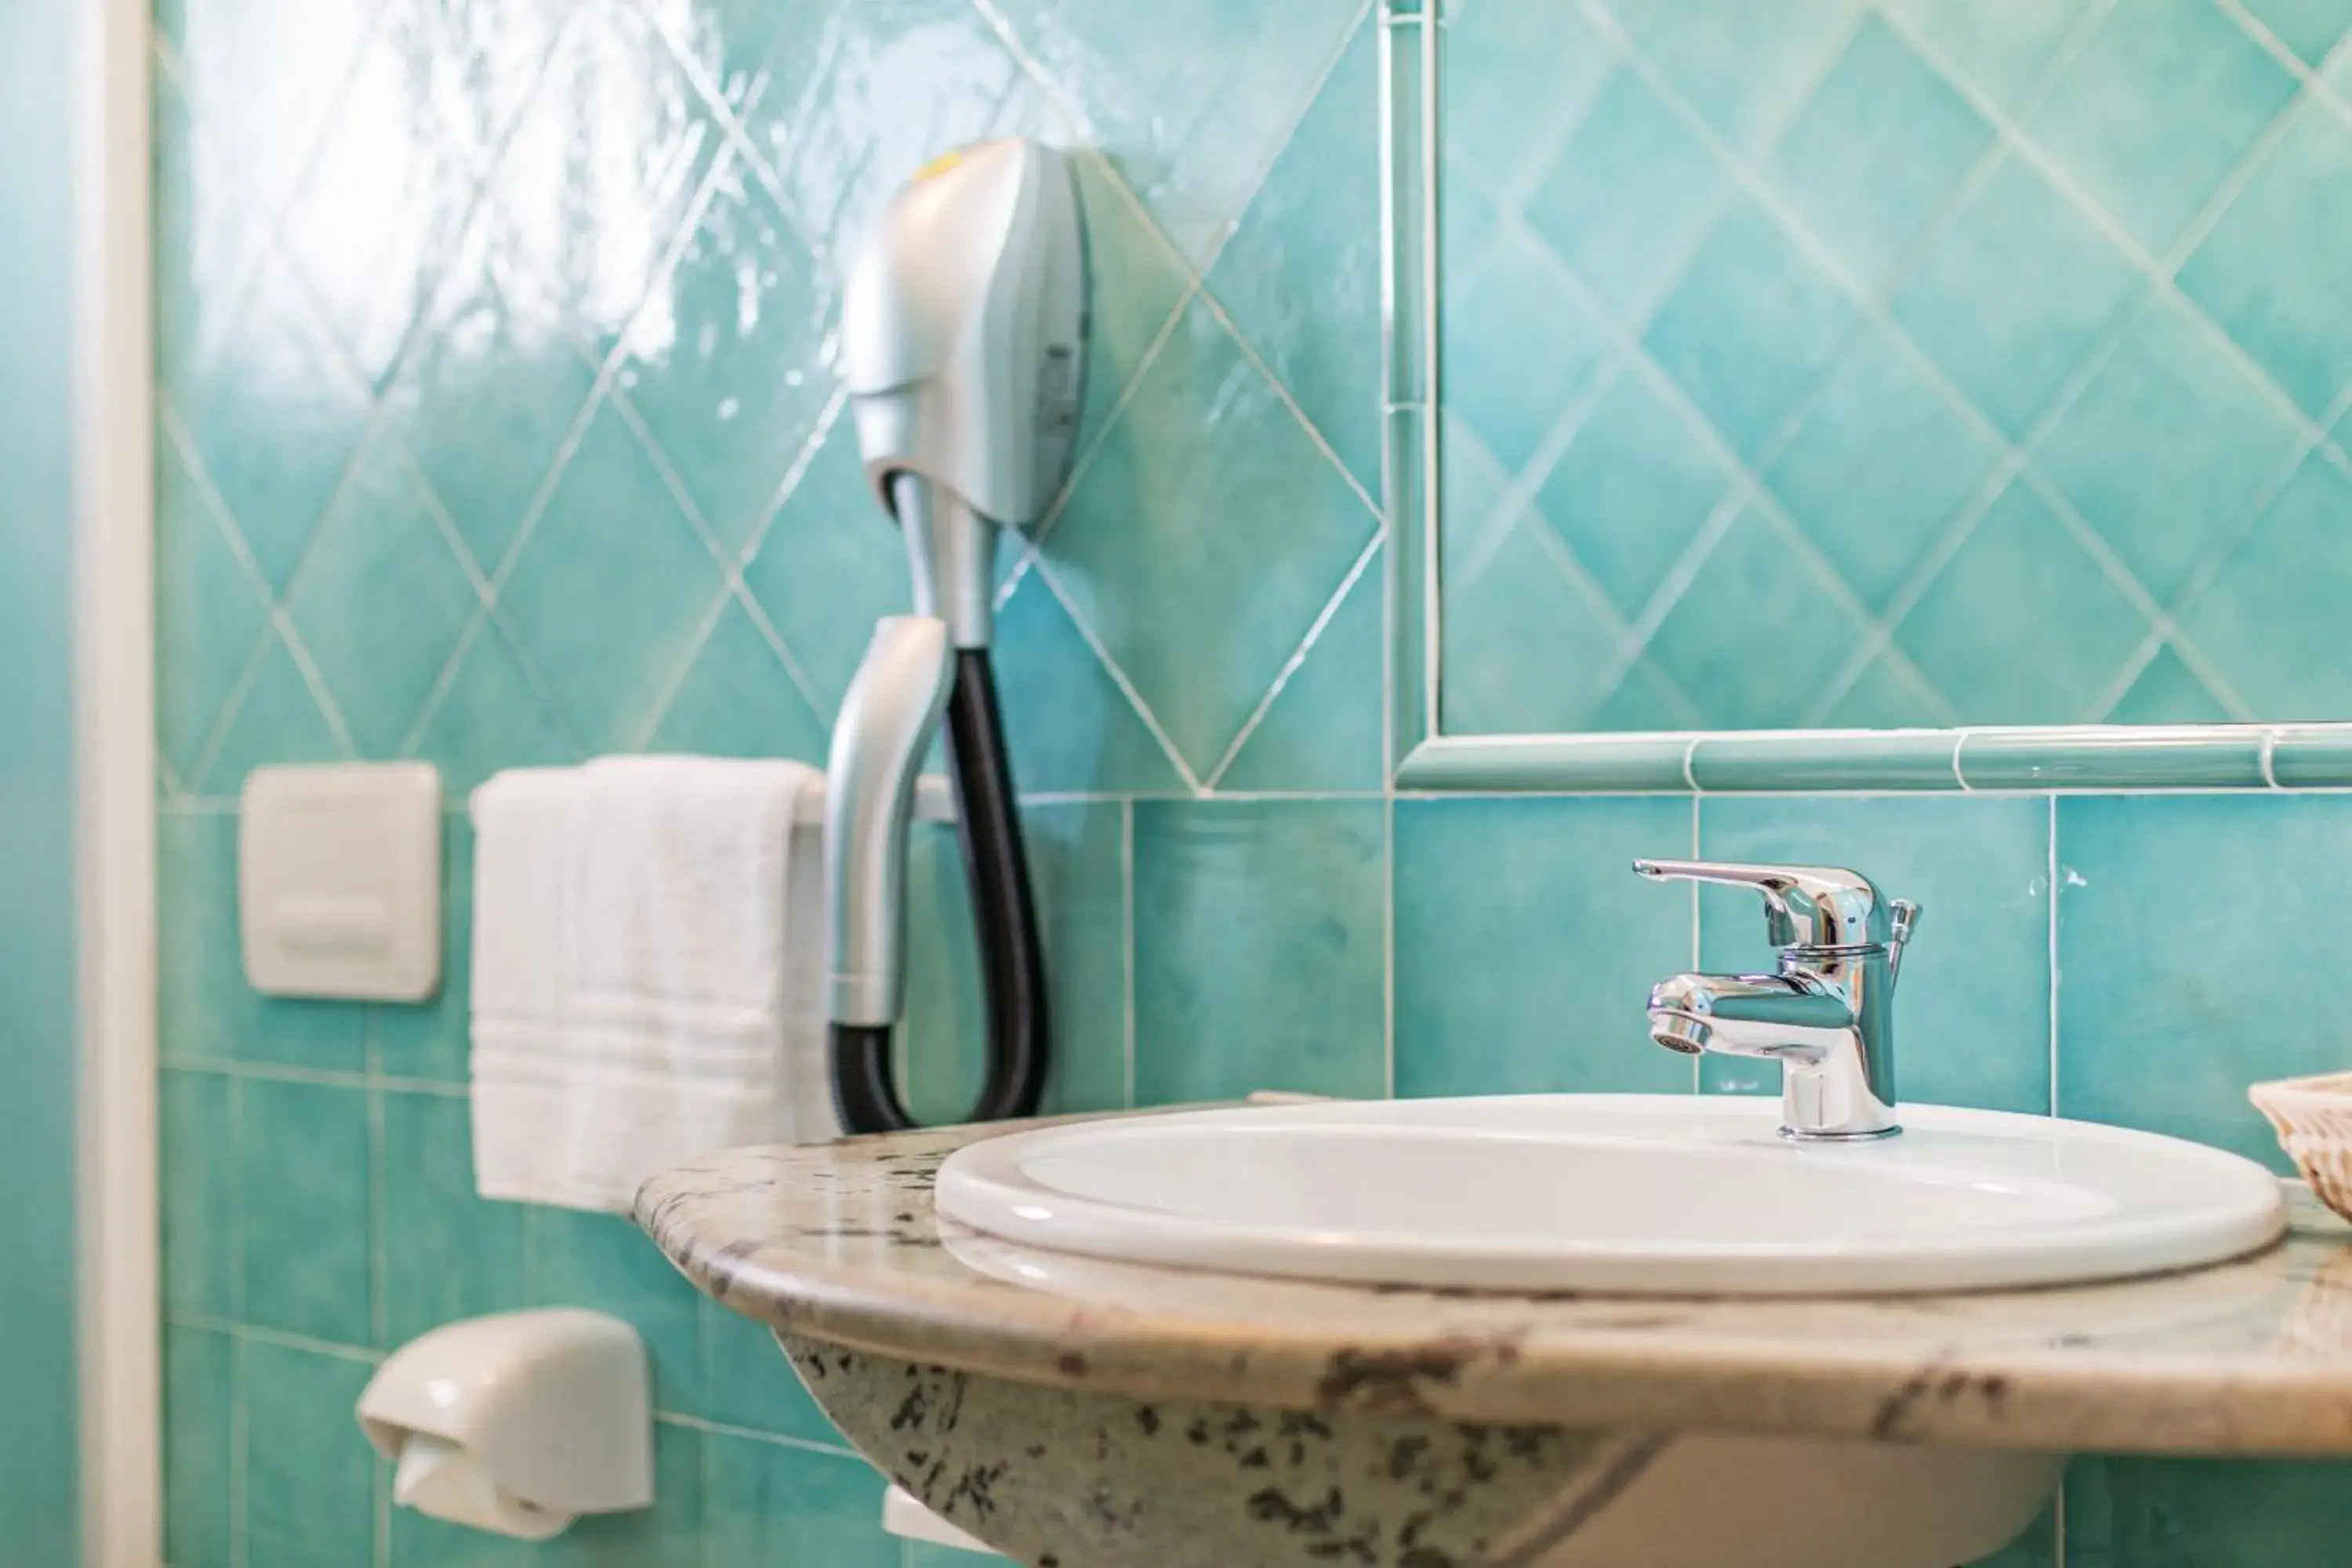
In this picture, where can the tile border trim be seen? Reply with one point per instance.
(2025, 760)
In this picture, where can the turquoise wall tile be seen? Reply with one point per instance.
(1318, 215)
(739, 698)
(2263, 272)
(311, 1477)
(207, 1011)
(2270, 614)
(492, 389)
(1876, 152)
(2022, 576)
(2131, 1512)
(2170, 448)
(1753, 326)
(196, 1116)
(720, 361)
(2014, 293)
(1516, 347)
(1206, 537)
(2310, 27)
(1518, 78)
(1881, 467)
(1525, 945)
(1636, 484)
(1196, 96)
(275, 418)
(1758, 588)
(601, 1262)
(381, 601)
(831, 564)
(1323, 730)
(496, 713)
(767, 1502)
(304, 1185)
(1745, 71)
(612, 518)
(2000, 49)
(1973, 1004)
(210, 613)
(282, 718)
(1259, 948)
(199, 1438)
(448, 1253)
(2181, 920)
(753, 1385)
(1627, 241)
(1068, 725)
(2114, 121)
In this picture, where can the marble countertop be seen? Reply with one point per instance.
(839, 1243)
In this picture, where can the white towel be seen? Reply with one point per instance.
(672, 1009)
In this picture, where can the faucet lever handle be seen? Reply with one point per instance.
(1804, 906)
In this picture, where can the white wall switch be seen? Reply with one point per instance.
(339, 880)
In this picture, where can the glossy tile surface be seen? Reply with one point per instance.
(1547, 879)
(1908, 268)
(1259, 939)
(2181, 924)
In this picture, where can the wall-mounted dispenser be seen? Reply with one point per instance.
(963, 351)
(516, 1423)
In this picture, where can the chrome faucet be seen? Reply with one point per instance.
(1827, 1017)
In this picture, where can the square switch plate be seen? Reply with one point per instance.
(339, 880)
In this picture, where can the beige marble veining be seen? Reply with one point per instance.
(838, 1243)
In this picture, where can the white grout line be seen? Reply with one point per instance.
(1118, 675)
(1127, 942)
(2052, 872)
(1297, 657)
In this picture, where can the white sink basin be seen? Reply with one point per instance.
(1658, 1195)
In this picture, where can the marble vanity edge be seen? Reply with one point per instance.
(1634, 1366)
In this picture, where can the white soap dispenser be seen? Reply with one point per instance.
(516, 1423)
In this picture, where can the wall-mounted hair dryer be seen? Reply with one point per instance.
(963, 340)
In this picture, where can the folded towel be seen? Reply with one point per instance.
(525, 822)
(672, 1009)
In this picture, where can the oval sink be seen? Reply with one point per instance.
(1657, 1194)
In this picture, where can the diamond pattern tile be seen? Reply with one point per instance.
(380, 209)
(2270, 272)
(1205, 538)
(210, 613)
(485, 404)
(1196, 127)
(381, 601)
(725, 361)
(1877, 257)
(2165, 101)
(1634, 488)
(2312, 28)
(1318, 215)
(276, 417)
(2168, 448)
(610, 592)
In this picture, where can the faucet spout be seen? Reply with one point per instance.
(1780, 1018)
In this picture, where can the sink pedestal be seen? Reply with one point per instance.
(1065, 1477)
